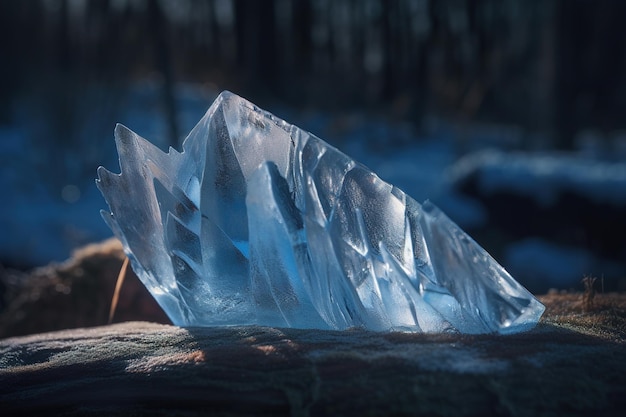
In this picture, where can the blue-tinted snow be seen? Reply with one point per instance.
(40, 221)
(37, 225)
(544, 176)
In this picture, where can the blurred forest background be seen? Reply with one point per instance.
(545, 65)
(541, 74)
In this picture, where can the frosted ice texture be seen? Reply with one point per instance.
(260, 222)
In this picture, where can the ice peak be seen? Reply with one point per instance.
(258, 221)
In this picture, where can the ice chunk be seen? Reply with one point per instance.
(257, 221)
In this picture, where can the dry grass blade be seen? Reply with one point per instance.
(118, 287)
(589, 294)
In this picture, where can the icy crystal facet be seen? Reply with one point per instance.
(260, 222)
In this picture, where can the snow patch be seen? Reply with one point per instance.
(544, 176)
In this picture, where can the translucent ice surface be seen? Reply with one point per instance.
(260, 222)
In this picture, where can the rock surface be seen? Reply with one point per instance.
(573, 363)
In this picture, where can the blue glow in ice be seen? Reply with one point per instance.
(260, 222)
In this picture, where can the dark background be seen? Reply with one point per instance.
(554, 71)
(545, 65)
